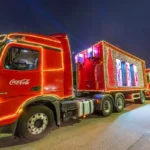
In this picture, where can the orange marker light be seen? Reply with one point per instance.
(98, 101)
(20, 111)
(84, 116)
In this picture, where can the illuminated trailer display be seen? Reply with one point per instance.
(106, 69)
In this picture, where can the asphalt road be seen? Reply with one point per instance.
(129, 130)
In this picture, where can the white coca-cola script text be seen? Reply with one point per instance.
(19, 82)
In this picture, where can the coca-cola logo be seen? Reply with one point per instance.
(19, 82)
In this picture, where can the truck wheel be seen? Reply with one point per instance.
(142, 98)
(119, 101)
(107, 106)
(35, 123)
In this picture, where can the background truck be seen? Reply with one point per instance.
(147, 91)
(36, 85)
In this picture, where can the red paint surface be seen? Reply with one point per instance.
(111, 72)
(148, 84)
(90, 74)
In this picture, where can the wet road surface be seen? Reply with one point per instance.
(129, 130)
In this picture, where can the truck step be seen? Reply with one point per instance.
(3, 135)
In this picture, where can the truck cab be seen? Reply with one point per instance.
(34, 69)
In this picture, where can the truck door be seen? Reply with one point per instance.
(21, 74)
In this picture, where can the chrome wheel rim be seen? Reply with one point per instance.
(120, 103)
(37, 123)
(142, 97)
(107, 106)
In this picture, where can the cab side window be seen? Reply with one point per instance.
(21, 59)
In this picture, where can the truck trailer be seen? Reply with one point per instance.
(36, 83)
(106, 69)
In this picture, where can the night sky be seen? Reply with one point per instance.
(125, 24)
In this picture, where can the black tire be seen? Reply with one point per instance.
(142, 99)
(119, 103)
(107, 106)
(26, 129)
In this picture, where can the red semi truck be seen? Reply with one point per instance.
(36, 85)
